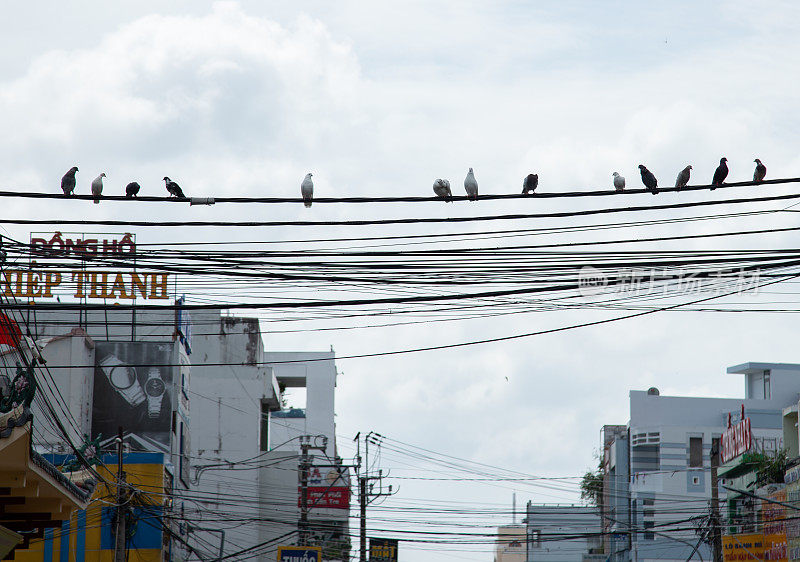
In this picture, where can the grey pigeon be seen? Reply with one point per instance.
(173, 188)
(307, 190)
(97, 187)
(132, 189)
(619, 181)
(530, 183)
(683, 177)
(720, 173)
(648, 179)
(442, 189)
(471, 186)
(760, 171)
(68, 181)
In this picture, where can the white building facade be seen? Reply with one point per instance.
(667, 450)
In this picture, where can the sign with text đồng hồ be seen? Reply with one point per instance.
(50, 274)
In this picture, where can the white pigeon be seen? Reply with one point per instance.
(471, 186)
(307, 190)
(97, 187)
(442, 189)
(619, 182)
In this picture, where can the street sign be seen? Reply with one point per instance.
(299, 554)
(382, 550)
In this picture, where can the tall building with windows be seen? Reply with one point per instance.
(667, 450)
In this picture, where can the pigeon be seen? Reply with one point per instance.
(97, 187)
(758, 175)
(720, 174)
(442, 189)
(173, 188)
(68, 181)
(530, 183)
(683, 177)
(307, 190)
(132, 189)
(619, 181)
(648, 179)
(471, 186)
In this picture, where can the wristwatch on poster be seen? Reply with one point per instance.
(155, 388)
(123, 379)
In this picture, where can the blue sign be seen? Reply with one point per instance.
(299, 554)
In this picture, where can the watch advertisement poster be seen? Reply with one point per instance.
(133, 388)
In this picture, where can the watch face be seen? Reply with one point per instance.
(122, 376)
(154, 387)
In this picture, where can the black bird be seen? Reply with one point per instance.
(68, 181)
(648, 179)
(720, 174)
(132, 189)
(173, 188)
(530, 184)
(760, 171)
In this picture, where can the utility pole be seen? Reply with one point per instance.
(716, 534)
(120, 546)
(366, 490)
(305, 465)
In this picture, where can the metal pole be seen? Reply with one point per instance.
(716, 534)
(302, 526)
(120, 542)
(362, 493)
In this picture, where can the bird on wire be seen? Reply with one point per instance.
(307, 190)
(720, 173)
(530, 183)
(683, 177)
(648, 179)
(760, 171)
(619, 181)
(173, 188)
(132, 189)
(68, 181)
(97, 187)
(471, 186)
(442, 189)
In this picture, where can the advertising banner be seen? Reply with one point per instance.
(382, 550)
(299, 554)
(133, 388)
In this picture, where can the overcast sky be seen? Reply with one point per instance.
(244, 98)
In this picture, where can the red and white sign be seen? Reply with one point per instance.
(737, 439)
(332, 497)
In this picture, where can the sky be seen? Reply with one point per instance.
(244, 98)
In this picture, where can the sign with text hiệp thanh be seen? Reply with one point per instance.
(299, 554)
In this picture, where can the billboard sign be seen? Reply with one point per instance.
(133, 388)
(327, 487)
(737, 438)
(382, 550)
(299, 554)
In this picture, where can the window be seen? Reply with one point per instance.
(695, 451)
(767, 385)
(264, 433)
(649, 536)
(715, 451)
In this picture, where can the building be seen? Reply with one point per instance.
(101, 374)
(563, 533)
(667, 448)
(510, 544)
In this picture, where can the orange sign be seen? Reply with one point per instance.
(738, 548)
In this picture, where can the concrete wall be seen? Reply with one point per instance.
(550, 527)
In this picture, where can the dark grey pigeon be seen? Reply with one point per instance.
(760, 171)
(173, 188)
(683, 177)
(720, 174)
(68, 181)
(132, 189)
(530, 184)
(648, 179)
